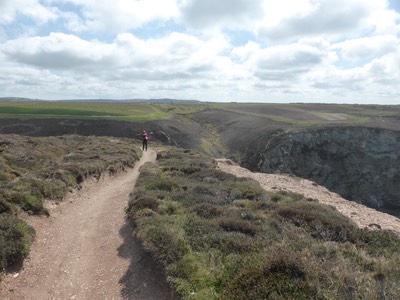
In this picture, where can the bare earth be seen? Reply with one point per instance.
(363, 216)
(85, 249)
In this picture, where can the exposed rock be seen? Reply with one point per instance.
(362, 164)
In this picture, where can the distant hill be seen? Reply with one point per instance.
(161, 100)
(18, 99)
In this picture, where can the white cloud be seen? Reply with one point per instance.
(381, 19)
(56, 51)
(245, 52)
(117, 16)
(176, 56)
(232, 14)
(370, 81)
(73, 22)
(210, 50)
(317, 17)
(367, 48)
(10, 9)
(285, 62)
(385, 71)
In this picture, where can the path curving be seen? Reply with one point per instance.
(85, 249)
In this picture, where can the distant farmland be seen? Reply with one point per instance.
(82, 110)
(278, 115)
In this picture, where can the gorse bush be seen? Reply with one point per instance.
(35, 169)
(222, 237)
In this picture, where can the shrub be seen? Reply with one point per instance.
(211, 176)
(15, 197)
(287, 196)
(281, 276)
(242, 189)
(5, 207)
(170, 207)
(143, 202)
(76, 172)
(207, 210)
(163, 184)
(251, 190)
(64, 176)
(34, 204)
(220, 237)
(190, 169)
(15, 240)
(35, 168)
(378, 243)
(53, 189)
(30, 203)
(6, 176)
(231, 242)
(321, 221)
(238, 225)
(203, 190)
(164, 242)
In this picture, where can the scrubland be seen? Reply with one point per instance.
(221, 237)
(35, 169)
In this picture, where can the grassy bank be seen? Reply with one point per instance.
(220, 237)
(35, 169)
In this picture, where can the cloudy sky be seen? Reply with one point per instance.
(345, 51)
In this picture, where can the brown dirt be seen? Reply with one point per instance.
(363, 216)
(86, 250)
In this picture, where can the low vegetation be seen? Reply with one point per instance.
(34, 169)
(222, 237)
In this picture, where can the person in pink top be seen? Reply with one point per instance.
(145, 138)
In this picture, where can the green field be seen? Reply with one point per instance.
(83, 110)
(284, 114)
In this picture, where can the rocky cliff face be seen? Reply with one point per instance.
(361, 164)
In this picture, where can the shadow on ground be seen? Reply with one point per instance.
(145, 279)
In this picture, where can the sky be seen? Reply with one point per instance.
(325, 51)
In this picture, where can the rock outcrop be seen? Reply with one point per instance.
(359, 163)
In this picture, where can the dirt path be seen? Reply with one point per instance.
(363, 216)
(85, 250)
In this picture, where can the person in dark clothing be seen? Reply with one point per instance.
(145, 138)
